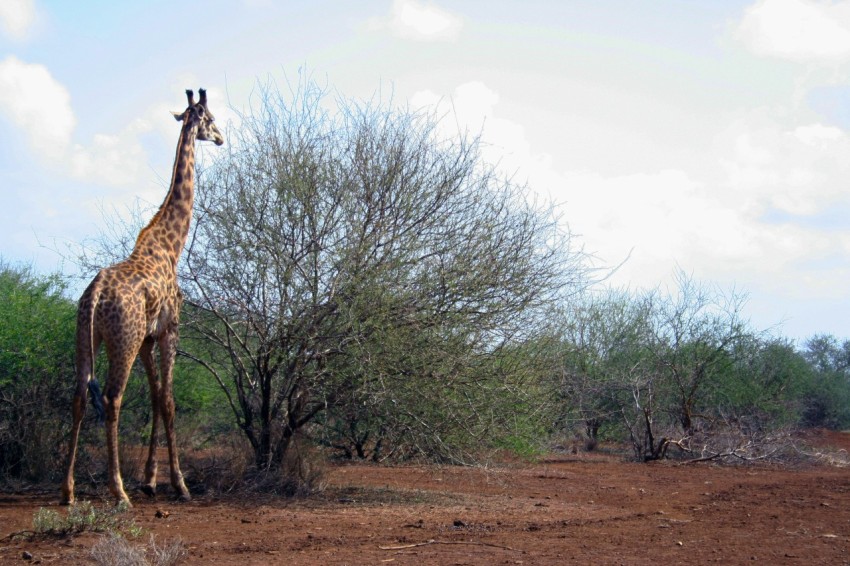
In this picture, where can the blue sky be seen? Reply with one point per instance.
(712, 136)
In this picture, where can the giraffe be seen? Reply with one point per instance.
(133, 306)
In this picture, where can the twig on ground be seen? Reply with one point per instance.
(432, 541)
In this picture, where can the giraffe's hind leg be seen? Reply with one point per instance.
(85, 369)
(79, 409)
(147, 355)
(120, 364)
(167, 353)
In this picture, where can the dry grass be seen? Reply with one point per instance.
(118, 551)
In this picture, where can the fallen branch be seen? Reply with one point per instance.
(738, 453)
(20, 534)
(432, 541)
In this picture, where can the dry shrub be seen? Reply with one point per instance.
(301, 473)
(230, 468)
(221, 469)
(734, 445)
(831, 457)
(131, 458)
(118, 551)
(737, 445)
(575, 441)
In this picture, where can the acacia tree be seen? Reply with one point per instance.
(605, 340)
(699, 331)
(358, 256)
(697, 334)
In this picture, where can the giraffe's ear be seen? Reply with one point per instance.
(178, 116)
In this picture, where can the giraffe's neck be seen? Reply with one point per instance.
(165, 235)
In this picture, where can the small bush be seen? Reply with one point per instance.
(231, 469)
(520, 446)
(301, 473)
(219, 470)
(303, 470)
(85, 517)
(118, 551)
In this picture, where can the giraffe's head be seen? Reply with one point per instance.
(200, 114)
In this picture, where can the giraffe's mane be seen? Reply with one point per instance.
(153, 221)
(159, 213)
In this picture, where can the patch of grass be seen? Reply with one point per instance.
(521, 447)
(85, 517)
(115, 550)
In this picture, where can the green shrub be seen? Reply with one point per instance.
(85, 517)
(36, 369)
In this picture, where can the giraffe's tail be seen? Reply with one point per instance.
(86, 346)
(97, 400)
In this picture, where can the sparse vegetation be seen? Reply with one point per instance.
(683, 374)
(360, 286)
(85, 517)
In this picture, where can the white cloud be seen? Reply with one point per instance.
(738, 214)
(753, 217)
(818, 135)
(112, 159)
(38, 104)
(798, 30)
(668, 217)
(17, 17)
(789, 169)
(420, 21)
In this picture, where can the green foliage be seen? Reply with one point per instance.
(36, 369)
(765, 383)
(604, 350)
(683, 369)
(36, 339)
(826, 396)
(523, 446)
(426, 395)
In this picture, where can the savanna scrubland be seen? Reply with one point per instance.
(390, 351)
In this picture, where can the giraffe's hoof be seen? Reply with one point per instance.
(184, 497)
(67, 497)
(148, 490)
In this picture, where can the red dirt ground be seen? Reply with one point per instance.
(583, 509)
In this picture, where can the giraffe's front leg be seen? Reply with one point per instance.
(147, 355)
